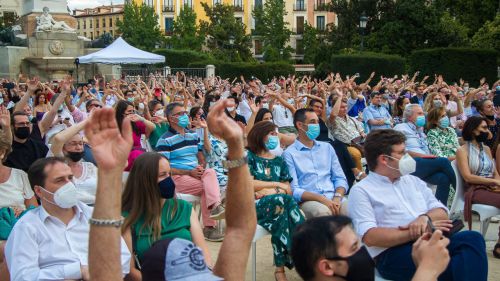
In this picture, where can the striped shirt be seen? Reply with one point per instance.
(180, 150)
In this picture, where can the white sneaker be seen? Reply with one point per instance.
(495, 219)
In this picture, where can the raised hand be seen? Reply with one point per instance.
(4, 118)
(33, 84)
(220, 125)
(110, 147)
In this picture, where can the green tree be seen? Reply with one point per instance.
(220, 28)
(488, 36)
(271, 25)
(415, 24)
(311, 42)
(471, 13)
(186, 34)
(140, 27)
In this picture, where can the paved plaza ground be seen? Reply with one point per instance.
(265, 269)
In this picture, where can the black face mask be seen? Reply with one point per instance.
(482, 137)
(22, 133)
(75, 156)
(167, 188)
(490, 117)
(361, 266)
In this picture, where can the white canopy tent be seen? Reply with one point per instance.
(120, 52)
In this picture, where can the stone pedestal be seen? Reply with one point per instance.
(36, 6)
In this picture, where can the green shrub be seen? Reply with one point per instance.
(455, 63)
(362, 63)
(182, 58)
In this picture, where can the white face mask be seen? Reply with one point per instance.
(265, 105)
(407, 164)
(231, 109)
(159, 113)
(65, 197)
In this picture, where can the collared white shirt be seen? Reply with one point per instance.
(282, 116)
(377, 202)
(42, 247)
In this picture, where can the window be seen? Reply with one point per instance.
(78, 22)
(169, 26)
(92, 35)
(97, 34)
(149, 3)
(300, 5)
(188, 3)
(103, 22)
(84, 24)
(91, 21)
(238, 5)
(300, 25)
(217, 2)
(299, 47)
(168, 6)
(258, 3)
(9, 18)
(85, 34)
(110, 22)
(96, 23)
(320, 23)
(258, 47)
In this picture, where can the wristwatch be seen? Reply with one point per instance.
(336, 194)
(231, 164)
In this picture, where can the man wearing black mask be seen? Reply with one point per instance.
(25, 149)
(326, 248)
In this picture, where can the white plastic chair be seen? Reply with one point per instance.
(193, 199)
(485, 211)
(259, 233)
(145, 144)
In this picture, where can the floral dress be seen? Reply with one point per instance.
(214, 160)
(443, 142)
(277, 213)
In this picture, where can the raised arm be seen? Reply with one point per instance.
(65, 135)
(32, 85)
(49, 117)
(241, 218)
(111, 149)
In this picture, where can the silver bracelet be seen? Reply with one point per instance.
(100, 222)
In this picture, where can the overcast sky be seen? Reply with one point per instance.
(80, 4)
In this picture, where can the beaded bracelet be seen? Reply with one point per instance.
(100, 222)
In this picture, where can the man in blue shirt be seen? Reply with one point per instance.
(377, 116)
(182, 148)
(318, 184)
(431, 169)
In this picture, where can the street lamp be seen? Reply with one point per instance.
(362, 24)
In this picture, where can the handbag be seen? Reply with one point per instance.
(358, 142)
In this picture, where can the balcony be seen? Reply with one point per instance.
(299, 6)
(238, 7)
(321, 6)
(168, 32)
(168, 9)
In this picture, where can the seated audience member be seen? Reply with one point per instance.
(431, 169)
(442, 138)
(377, 116)
(336, 253)
(282, 107)
(391, 208)
(231, 112)
(111, 146)
(349, 167)
(419, 97)
(181, 147)
(70, 145)
(477, 167)
(399, 107)
(140, 126)
(25, 149)
(277, 212)
(318, 182)
(158, 118)
(263, 114)
(152, 213)
(50, 242)
(486, 109)
(347, 130)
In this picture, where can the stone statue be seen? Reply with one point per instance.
(45, 22)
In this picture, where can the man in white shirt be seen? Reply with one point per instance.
(281, 105)
(51, 241)
(391, 209)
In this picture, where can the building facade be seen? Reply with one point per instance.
(299, 12)
(94, 22)
(10, 10)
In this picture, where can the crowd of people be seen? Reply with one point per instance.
(339, 172)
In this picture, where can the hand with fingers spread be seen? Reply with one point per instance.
(221, 126)
(109, 146)
(4, 118)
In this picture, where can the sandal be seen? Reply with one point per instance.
(496, 254)
(280, 272)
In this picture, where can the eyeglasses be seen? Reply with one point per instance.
(23, 124)
(179, 113)
(75, 144)
(96, 105)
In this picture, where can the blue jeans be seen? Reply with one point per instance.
(437, 171)
(468, 260)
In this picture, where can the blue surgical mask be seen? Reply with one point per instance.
(272, 142)
(131, 99)
(167, 188)
(444, 122)
(183, 121)
(312, 131)
(420, 122)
